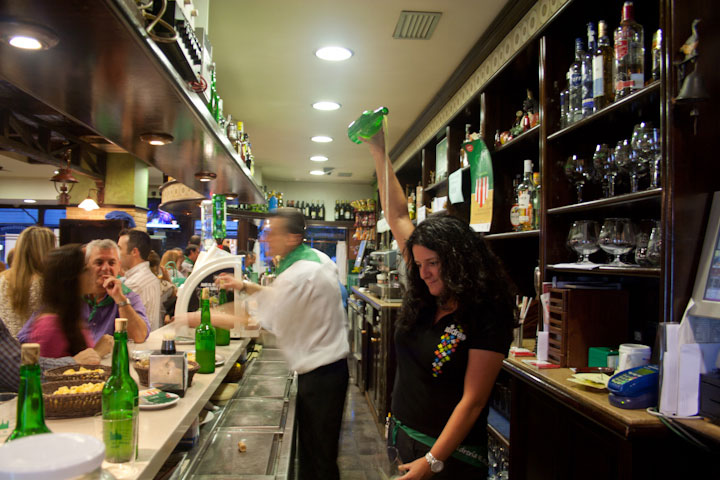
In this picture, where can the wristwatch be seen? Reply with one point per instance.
(436, 466)
(124, 303)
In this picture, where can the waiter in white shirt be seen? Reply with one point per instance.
(303, 308)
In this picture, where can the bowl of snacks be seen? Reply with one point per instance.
(78, 372)
(72, 398)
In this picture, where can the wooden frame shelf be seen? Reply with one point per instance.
(438, 185)
(653, 195)
(248, 215)
(621, 106)
(524, 138)
(633, 271)
(513, 235)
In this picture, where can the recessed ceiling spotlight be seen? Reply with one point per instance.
(157, 139)
(27, 36)
(333, 54)
(317, 172)
(230, 196)
(321, 139)
(29, 200)
(204, 176)
(327, 106)
(319, 158)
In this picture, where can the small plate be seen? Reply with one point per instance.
(153, 399)
(219, 359)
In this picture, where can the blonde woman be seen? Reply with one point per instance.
(21, 285)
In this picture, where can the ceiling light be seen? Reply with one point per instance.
(61, 179)
(205, 176)
(317, 172)
(321, 139)
(230, 196)
(333, 54)
(29, 200)
(27, 36)
(319, 158)
(327, 106)
(157, 139)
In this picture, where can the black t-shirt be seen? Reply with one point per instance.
(431, 365)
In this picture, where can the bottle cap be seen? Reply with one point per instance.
(29, 353)
(528, 165)
(121, 324)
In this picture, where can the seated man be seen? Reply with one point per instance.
(111, 299)
(192, 252)
(135, 249)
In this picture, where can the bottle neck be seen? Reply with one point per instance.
(628, 13)
(30, 407)
(120, 362)
(205, 311)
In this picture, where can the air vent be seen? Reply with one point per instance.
(416, 25)
(344, 174)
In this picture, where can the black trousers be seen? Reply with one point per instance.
(319, 410)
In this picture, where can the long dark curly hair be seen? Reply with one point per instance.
(62, 292)
(472, 275)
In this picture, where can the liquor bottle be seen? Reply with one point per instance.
(367, 124)
(313, 210)
(348, 212)
(536, 201)
(219, 215)
(205, 337)
(463, 154)
(575, 74)
(321, 215)
(120, 402)
(587, 72)
(212, 106)
(629, 54)
(30, 418)
(515, 209)
(564, 107)
(603, 86)
(272, 202)
(657, 55)
(222, 335)
(525, 190)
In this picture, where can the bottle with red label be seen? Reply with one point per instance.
(629, 54)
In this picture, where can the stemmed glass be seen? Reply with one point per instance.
(642, 238)
(578, 172)
(605, 169)
(617, 237)
(583, 239)
(649, 146)
(655, 244)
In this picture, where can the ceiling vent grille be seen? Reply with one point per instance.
(344, 174)
(416, 25)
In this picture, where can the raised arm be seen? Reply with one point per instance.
(395, 205)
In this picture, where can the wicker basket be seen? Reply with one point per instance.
(56, 374)
(70, 405)
(142, 372)
(235, 373)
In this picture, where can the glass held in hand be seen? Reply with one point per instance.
(617, 237)
(578, 172)
(583, 239)
(367, 124)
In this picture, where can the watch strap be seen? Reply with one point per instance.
(124, 303)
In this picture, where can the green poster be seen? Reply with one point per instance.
(481, 185)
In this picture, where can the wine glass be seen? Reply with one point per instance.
(642, 238)
(650, 147)
(578, 172)
(622, 154)
(617, 237)
(655, 245)
(605, 169)
(583, 239)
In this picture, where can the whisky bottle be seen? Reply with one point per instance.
(525, 190)
(536, 201)
(629, 54)
(603, 87)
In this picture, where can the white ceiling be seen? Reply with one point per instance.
(268, 76)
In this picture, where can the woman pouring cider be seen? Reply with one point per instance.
(454, 330)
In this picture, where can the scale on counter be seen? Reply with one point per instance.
(634, 388)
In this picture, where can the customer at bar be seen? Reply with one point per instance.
(455, 328)
(167, 288)
(110, 298)
(21, 285)
(192, 252)
(135, 247)
(174, 255)
(61, 329)
(303, 309)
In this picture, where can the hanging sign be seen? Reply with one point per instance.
(481, 185)
(455, 187)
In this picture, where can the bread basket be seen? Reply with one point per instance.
(56, 374)
(71, 405)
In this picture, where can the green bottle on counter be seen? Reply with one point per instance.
(30, 408)
(205, 337)
(120, 407)
(222, 335)
(367, 124)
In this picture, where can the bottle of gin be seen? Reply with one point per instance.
(587, 72)
(30, 418)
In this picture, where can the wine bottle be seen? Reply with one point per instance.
(30, 407)
(120, 406)
(222, 335)
(603, 88)
(205, 337)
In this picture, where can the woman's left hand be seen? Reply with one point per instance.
(416, 470)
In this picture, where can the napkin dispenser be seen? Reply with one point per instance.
(169, 372)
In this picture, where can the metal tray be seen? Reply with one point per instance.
(255, 412)
(258, 386)
(273, 369)
(222, 456)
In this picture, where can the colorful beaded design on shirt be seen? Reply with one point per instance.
(448, 343)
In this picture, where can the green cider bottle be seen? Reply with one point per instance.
(222, 335)
(205, 337)
(30, 408)
(219, 215)
(367, 124)
(120, 407)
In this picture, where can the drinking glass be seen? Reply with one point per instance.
(651, 147)
(583, 239)
(655, 244)
(578, 172)
(642, 238)
(622, 155)
(394, 462)
(104, 429)
(605, 169)
(8, 410)
(617, 237)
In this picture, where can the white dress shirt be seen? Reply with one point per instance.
(303, 308)
(141, 280)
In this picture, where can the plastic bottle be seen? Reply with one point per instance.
(367, 124)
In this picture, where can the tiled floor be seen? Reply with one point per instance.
(362, 448)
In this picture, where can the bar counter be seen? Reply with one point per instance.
(161, 430)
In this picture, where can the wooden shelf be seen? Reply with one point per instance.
(522, 139)
(633, 271)
(620, 107)
(248, 215)
(513, 235)
(625, 199)
(332, 223)
(437, 185)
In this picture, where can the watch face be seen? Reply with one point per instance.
(437, 466)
